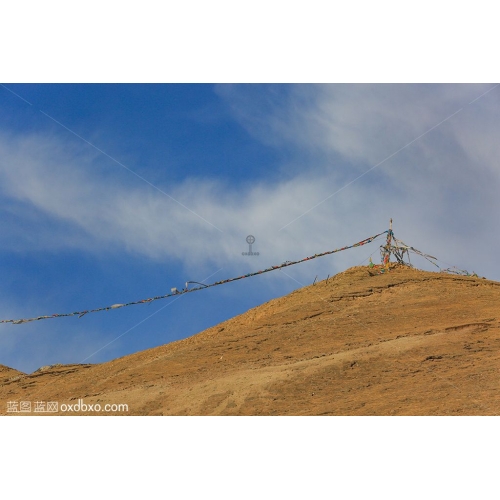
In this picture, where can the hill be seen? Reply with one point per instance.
(407, 342)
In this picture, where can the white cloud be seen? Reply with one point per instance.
(82, 206)
(440, 189)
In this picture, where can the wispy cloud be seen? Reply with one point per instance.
(72, 194)
(337, 132)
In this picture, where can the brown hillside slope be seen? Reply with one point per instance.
(7, 373)
(406, 342)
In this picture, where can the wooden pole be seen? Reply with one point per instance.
(387, 256)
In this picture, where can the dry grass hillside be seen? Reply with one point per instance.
(406, 342)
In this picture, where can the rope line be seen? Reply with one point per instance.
(202, 287)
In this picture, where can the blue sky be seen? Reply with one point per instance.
(115, 193)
